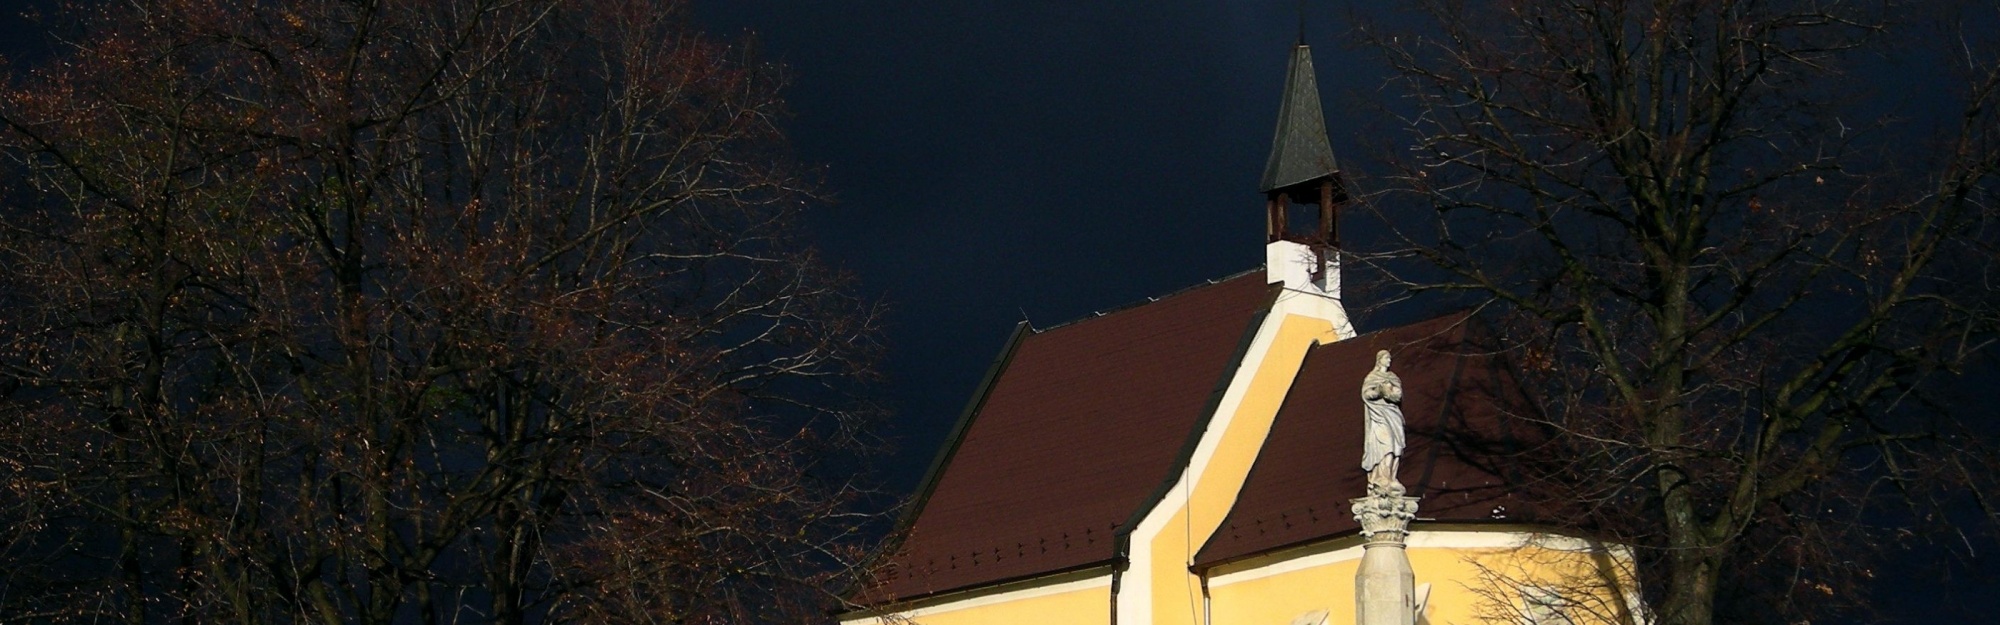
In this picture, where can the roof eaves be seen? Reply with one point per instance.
(899, 604)
(1353, 536)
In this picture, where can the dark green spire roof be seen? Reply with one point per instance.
(1299, 152)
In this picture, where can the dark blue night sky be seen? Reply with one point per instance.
(992, 160)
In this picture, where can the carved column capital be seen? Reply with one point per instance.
(1385, 518)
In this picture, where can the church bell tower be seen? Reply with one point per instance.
(1301, 175)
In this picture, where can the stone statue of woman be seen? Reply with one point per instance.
(1382, 449)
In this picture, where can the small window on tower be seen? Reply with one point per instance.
(1302, 220)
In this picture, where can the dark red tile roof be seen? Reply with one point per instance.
(1457, 393)
(1082, 423)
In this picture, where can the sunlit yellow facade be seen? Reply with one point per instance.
(1475, 573)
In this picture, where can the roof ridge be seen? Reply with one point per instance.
(1463, 316)
(1149, 300)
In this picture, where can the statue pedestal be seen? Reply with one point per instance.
(1384, 587)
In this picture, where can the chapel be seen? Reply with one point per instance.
(1196, 459)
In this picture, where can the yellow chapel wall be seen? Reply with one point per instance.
(1476, 577)
(1176, 592)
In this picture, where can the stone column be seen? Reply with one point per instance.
(1384, 587)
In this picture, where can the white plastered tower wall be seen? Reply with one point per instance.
(1308, 290)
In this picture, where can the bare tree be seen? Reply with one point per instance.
(419, 311)
(1732, 280)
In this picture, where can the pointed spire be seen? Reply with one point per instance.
(1300, 152)
(1301, 171)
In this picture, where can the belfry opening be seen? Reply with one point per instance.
(1302, 186)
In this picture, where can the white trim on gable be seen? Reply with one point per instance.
(1134, 596)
